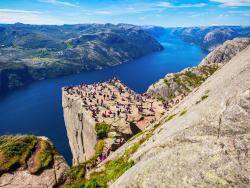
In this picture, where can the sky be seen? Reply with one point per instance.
(168, 13)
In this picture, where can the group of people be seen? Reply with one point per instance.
(112, 100)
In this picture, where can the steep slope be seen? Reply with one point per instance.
(225, 52)
(43, 51)
(209, 38)
(175, 86)
(206, 140)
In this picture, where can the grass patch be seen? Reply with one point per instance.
(170, 117)
(102, 130)
(99, 147)
(160, 98)
(113, 169)
(202, 98)
(43, 156)
(14, 151)
(183, 112)
(77, 173)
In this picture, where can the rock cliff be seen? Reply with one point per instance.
(80, 129)
(205, 138)
(29, 161)
(103, 116)
(225, 52)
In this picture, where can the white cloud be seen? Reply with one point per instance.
(57, 2)
(26, 16)
(233, 2)
(164, 4)
(104, 12)
(19, 11)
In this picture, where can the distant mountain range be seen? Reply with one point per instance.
(34, 52)
(209, 38)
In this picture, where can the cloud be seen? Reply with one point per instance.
(164, 4)
(26, 16)
(104, 12)
(57, 2)
(233, 2)
(19, 11)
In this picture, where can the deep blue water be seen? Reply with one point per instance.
(36, 109)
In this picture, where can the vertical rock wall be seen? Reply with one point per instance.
(80, 130)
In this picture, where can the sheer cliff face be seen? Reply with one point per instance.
(80, 129)
(206, 143)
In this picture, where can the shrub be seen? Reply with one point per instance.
(99, 147)
(102, 130)
(77, 172)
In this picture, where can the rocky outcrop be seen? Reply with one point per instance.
(177, 85)
(206, 140)
(49, 178)
(102, 116)
(27, 163)
(80, 129)
(227, 51)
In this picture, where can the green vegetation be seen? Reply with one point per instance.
(160, 98)
(208, 70)
(69, 45)
(183, 112)
(102, 130)
(14, 151)
(99, 147)
(76, 173)
(170, 117)
(113, 169)
(43, 156)
(203, 97)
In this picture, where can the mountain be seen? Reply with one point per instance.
(209, 38)
(204, 140)
(35, 52)
(201, 139)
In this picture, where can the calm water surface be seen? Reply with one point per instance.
(36, 109)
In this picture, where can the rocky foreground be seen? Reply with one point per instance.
(30, 162)
(206, 140)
